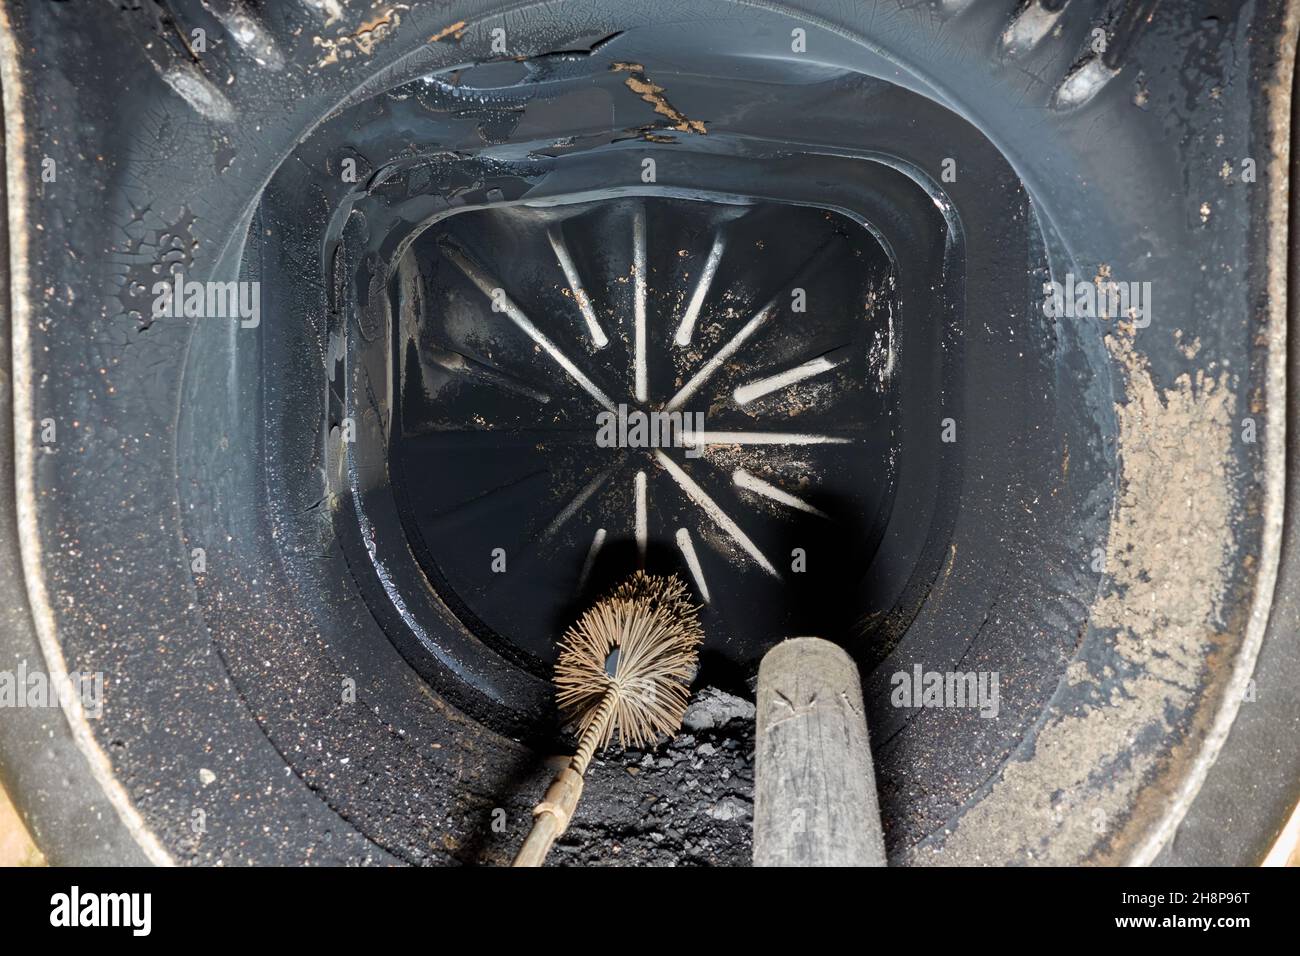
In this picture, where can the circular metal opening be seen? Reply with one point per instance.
(696, 387)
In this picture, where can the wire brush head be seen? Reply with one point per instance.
(638, 644)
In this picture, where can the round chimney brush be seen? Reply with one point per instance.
(626, 665)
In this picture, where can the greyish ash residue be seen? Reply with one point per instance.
(1157, 624)
(687, 802)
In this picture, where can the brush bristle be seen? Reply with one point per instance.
(656, 630)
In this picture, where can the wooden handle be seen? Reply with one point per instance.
(551, 817)
(814, 786)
